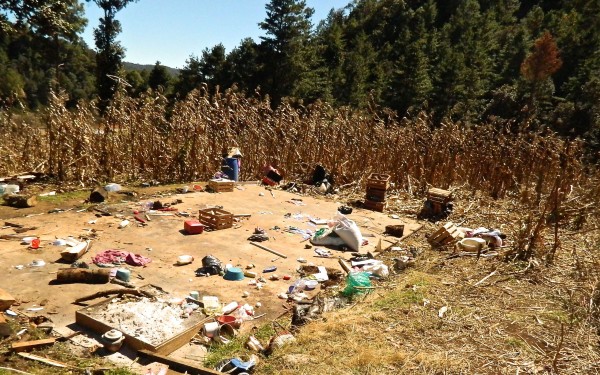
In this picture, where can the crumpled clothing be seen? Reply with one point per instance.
(109, 258)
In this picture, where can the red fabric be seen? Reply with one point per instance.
(119, 257)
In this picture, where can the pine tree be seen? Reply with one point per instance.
(110, 53)
(283, 49)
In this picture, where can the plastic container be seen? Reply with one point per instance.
(211, 305)
(112, 187)
(473, 244)
(11, 189)
(193, 227)
(230, 307)
(234, 274)
(231, 167)
(123, 274)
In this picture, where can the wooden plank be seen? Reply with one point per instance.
(28, 345)
(6, 300)
(47, 361)
(269, 250)
(182, 338)
(178, 365)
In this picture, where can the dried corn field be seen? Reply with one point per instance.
(136, 141)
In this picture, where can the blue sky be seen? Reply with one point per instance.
(171, 30)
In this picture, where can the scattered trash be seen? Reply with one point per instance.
(323, 253)
(270, 269)
(442, 311)
(237, 365)
(210, 266)
(356, 283)
(38, 263)
(123, 224)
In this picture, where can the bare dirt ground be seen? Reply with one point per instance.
(163, 240)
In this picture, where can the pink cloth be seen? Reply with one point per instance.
(112, 257)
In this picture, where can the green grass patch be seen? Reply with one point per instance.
(417, 284)
(77, 195)
(120, 371)
(218, 352)
(237, 346)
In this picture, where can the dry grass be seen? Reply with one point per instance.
(136, 141)
(528, 318)
(538, 313)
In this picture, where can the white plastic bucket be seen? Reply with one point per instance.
(473, 244)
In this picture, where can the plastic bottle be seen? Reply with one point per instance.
(230, 307)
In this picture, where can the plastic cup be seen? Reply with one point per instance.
(35, 243)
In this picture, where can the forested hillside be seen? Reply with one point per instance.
(532, 64)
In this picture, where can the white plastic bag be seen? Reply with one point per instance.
(348, 231)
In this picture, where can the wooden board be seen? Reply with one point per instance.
(71, 254)
(194, 323)
(178, 365)
(6, 300)
(28, 345)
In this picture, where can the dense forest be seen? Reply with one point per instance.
(532, 64)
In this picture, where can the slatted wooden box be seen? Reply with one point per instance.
(216, 218)
(221, 185)
(374, 206)
(445, 235)
(378, 181)
(376, 195)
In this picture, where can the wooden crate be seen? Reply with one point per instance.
(441, 196)
(221, 185)
(215, 218)
(378, 181)
(374, 206)
(376, 195)
(445, 235)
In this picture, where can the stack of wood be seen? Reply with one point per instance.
(377, 186)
